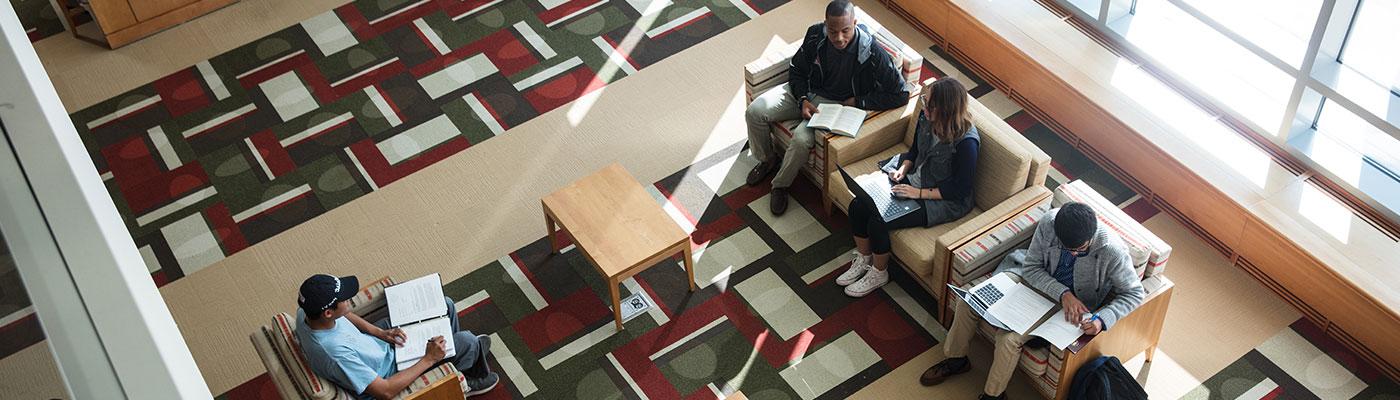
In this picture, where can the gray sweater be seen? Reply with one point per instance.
(1103, 279)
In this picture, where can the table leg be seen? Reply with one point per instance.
(549, 233)
(616, 303)
(689, 263)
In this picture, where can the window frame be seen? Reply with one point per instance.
(1315, 82)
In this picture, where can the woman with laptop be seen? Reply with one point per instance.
(937, 171)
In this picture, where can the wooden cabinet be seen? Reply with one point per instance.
(117, 23)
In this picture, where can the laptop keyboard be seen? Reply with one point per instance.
(883, 203)
(990, 293)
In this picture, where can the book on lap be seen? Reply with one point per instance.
(417, 307)
(838, 119)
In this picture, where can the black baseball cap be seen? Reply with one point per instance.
(320, 292)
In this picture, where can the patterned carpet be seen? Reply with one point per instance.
(229, 152)
(226, 153)
(769, 319)
(1300, 362)
(38, 18)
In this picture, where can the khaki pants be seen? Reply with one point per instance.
(777, 105)
(1008, 345)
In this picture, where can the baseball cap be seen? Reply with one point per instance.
(320, 292)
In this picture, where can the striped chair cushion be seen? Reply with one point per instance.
(906, 58)
(1149, 253)
(1033, 360)
(1052, 372)
(1045, 386)
(371, 296)
(980, 255)
(284, 339)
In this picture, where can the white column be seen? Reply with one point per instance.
(106, 323)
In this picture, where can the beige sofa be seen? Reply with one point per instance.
(277, 347)
(771, 70)
(1051, 370)
(1009, 183)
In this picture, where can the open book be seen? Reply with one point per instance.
(839, 119)
(1013, 306)
(417, 307)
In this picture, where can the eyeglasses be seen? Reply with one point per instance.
(1080, 251)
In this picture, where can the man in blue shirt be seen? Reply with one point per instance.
(356, 355)
(1071, 257)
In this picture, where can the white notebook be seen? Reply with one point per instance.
(839, 119)
(417, 307)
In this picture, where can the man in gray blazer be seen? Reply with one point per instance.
(1072, 258)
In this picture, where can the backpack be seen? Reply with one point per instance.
(1105, 378)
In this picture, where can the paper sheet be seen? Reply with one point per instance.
(415, 300)
(1057, 331)
(415, 346)
(1020, 306)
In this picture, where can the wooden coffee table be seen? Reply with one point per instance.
(617, 226)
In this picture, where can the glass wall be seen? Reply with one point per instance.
(1320, 78)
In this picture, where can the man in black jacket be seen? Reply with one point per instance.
(839, 62)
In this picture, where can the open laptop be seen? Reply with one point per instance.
(877, 188)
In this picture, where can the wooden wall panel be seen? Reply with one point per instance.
(1339, 302)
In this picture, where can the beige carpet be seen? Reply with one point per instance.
(467, 210)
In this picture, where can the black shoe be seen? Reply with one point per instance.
(778, 200)
(986, 397)
(761, 172)
(943, 369)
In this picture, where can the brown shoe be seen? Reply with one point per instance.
(777, 202)
(761, 172)
(938, 372)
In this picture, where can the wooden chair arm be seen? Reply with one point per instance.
(446, 388)
(1136, 332)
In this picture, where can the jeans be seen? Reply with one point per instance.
(471, 352)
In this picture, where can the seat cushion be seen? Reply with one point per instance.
(1033, 361)
(982, 254)
(1003, 165)
(283, 336)
(915, 246)
(1149, 253)
(908, 59)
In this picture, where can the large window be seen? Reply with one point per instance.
(1318, 78)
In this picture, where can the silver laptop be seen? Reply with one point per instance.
(877, 188)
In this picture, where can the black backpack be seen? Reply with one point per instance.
(1105, 379)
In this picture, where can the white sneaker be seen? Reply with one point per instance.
(858, 267)
(872, 280)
